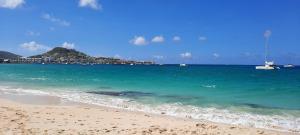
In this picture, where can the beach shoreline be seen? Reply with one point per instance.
(48, 115)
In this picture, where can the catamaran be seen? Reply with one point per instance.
(269, 65)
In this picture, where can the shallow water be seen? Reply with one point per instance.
(228, 94)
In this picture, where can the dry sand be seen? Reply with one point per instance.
(20, 118)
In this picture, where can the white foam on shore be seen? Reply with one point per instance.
(274, 122)
(21, 91)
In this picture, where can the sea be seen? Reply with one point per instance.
(232, 94)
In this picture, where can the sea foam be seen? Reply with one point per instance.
(274, 122)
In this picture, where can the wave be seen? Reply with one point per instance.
(209, 86)
(275, 122)
(38, 78)
(21, 91)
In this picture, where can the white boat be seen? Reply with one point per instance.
(269, 65)
(131, 64)
(289, 66)
(182, 65)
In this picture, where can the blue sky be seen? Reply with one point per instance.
(167, 31)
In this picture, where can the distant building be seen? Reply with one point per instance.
(6, 61)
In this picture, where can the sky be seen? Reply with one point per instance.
(166, 31)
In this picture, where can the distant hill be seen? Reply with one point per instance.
(8, 55)
(60, 55)
(60, 52)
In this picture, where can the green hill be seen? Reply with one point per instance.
(60, 52)
(60, 55)
(8, 55)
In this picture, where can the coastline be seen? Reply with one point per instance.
(47, 115)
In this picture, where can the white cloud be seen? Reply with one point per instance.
(267, 33)
(32, 33)
(51, 28)
(11, 4)
(186, 55)
(158, 39)
(129, 58)
(138, 40)
(176, 38)
(247, 54)
(158, 57)
(216, 55)
(33, 46)
(117, 56)
(90, 3)
(202, 38)
(55, 20)
(68, 45)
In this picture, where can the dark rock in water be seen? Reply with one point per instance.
(135, 93)
(253, 105)
(109, 93)
(122, 93)
(261, 106)
(181, 99)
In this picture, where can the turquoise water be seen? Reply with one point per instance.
(228, 94)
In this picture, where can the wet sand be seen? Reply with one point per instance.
(23, 118)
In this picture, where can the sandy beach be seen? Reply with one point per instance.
(53, 118)
(149, 67)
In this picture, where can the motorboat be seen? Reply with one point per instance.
(288, 66)
(182, 65)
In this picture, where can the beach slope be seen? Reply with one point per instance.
(19, 118)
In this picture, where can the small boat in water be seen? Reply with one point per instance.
(288, 66)
(269, 65)
(182, 65)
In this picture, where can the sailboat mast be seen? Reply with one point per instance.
(267, 35)
(266, 48)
